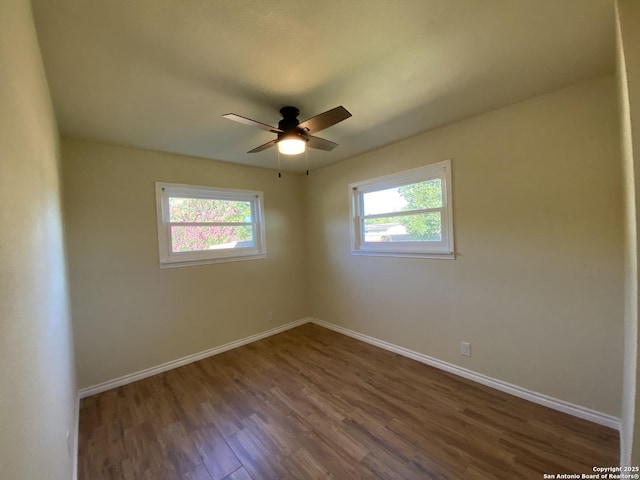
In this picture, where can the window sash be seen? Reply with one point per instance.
(170, 258)
(403, 213)
(211, 224)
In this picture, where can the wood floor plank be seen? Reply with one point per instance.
(240, 474)
(217, 456)
(272, 434)
(198, 473)
(257, 459)
(302, 465)
(311, 403)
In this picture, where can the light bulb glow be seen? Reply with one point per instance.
(291, 146)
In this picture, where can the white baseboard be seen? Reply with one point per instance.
(535, 397)
(149, 372)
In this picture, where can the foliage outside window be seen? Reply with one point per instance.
(208, 225)
(404, 214)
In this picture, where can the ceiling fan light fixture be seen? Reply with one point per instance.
(291, 145)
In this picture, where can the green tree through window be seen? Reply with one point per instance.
(424, 195)
(203, 210)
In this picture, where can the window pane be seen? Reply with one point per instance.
(208, 210)
(383, 201)
(190, 239)
(416, 196)
(425, 227)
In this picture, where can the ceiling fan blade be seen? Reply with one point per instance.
(321, 143)
(251, 123)
(325, 120)
(264, 146)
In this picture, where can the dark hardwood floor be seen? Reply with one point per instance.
(311, 403)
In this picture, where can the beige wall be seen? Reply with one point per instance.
(129, 314)
(627, 41)
(537, 285)
(37, 389)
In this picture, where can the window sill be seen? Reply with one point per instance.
(195, 263)
(373, 253)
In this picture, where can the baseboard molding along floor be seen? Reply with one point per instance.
(535, 397)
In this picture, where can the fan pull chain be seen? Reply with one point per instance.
(306, 156)
(279, 173)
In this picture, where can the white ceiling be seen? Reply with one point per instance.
(158, 74)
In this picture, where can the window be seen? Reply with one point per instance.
(406, 214)
(208, 225)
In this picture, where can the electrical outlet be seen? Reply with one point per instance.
(269, 316)
(465, 349)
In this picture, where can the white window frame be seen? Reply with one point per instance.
(442, 249)
(169, 259)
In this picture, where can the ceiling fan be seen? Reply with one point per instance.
(294, 136)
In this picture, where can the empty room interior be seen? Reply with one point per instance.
(278, 240)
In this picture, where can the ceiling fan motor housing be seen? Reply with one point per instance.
(289, 124)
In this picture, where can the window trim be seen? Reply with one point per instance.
(169, 259)
(443, 250)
